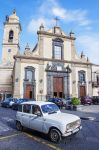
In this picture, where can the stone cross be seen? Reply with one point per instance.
(56, 19)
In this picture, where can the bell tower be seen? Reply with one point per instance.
(10, 45)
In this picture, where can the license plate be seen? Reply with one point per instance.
(75, 130)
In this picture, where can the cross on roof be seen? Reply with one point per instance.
(56, 19)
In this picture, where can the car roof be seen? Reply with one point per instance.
(37, 102)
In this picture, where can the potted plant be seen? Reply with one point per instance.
(75, 101)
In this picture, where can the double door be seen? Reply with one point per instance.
(58, 87)
(82, 91)
(28, 93)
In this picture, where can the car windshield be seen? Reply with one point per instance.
(49, 108)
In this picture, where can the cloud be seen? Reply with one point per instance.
(60, 12)
(49, 9)
(34, 24)
(90, 46)
(78, 16)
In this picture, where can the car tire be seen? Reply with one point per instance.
(12, 107)
(55, 135)
(19, 126)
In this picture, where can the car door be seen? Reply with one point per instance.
(36, 120)
(25, 116)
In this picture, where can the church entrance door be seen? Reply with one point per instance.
(28, 91)
(82, 91)
(58, 87)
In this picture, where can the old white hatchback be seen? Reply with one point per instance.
(47, 118)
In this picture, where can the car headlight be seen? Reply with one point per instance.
(79, 122)
(68, 127)
(73, 125)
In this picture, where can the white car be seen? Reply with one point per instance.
(47, 118)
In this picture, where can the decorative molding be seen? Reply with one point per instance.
(56, 35)
(53, 60)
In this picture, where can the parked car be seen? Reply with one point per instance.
(12, 102)
(57, 101)
(8, 102)
(48, 119)
(18, 102)
(66, 103)
(86, 100)
(95, 99)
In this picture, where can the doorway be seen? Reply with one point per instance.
(82, 91)
(58, 87)
(29, 92)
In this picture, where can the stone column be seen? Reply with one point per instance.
(65, 86)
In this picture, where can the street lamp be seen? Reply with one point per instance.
(68, 71)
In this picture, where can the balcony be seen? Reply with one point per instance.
(95, 84)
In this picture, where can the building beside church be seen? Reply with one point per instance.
(51, 69)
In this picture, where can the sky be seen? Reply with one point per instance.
(79, 16)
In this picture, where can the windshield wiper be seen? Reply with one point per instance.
(52, 112)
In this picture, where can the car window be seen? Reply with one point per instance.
(36, 109)
(49, 108)
(27, 108)
(20, 108)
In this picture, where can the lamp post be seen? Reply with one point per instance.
(68, 71)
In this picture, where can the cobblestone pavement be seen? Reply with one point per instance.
(86, 139)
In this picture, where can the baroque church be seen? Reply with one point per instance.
(51, 69)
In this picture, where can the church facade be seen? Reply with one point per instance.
(51, 69)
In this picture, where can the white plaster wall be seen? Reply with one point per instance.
(67, 50)
(47, 47)
(95, 91)
(5, 76)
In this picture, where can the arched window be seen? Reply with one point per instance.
(11, 34)
(82, 76)
(58, 48)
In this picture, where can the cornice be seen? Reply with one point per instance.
(56, 35)
(53, 60)
(13, 23)
(10, 44)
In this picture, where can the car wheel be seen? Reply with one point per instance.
(19, 126)
(55, 135)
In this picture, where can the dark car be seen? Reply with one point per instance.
(18, 102)
(95, 99)
(57, 101)
(67, 103)
(86, 100)
(6, 102)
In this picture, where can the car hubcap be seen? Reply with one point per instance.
(54, 136)
(18, 126)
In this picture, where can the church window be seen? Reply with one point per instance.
(29, 74)
(57, 52)
(82, 76)
(11, 33)
(58, 49)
